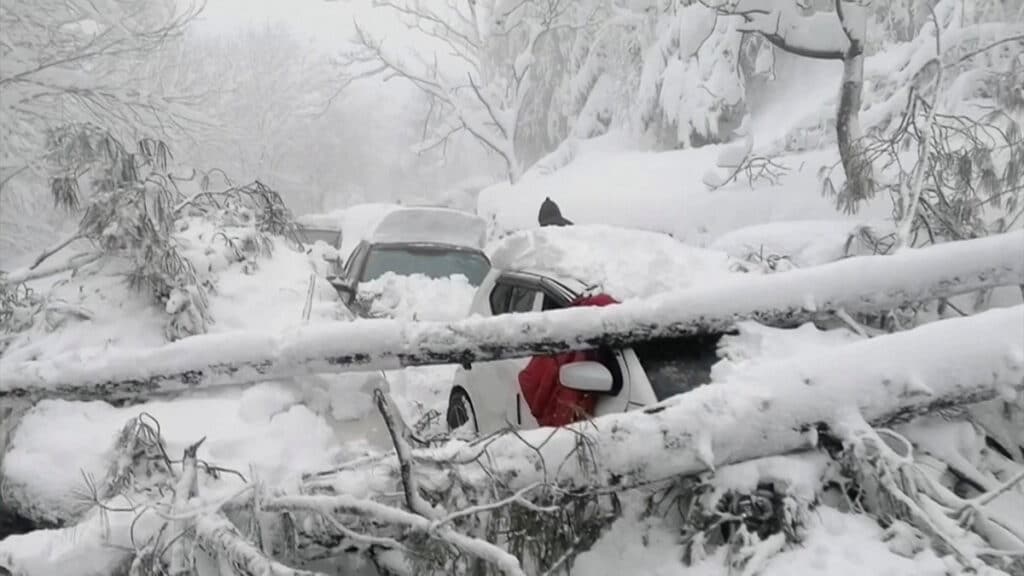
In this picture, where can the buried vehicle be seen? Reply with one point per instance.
(313, 228)
(434, 243)
(555, 268)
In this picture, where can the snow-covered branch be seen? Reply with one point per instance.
(478, 62)
(837, 35)
(777, 408)
(819, 35)
(864, 284)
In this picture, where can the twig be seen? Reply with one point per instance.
(853, 324)
(346, 504)
(27, 275)
(517, 498)
(53, 250)
(917, 181)
(219, 537)
(400, 436)
(186, 487)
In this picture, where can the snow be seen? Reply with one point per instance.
(836, 544)
(265, 428)
(440, 225)
(754, 344)
(799, 475)
(803, 242)
(611, 183)
(625, 263)
(356, 222)
(753, 415)
(854, 284)
(418, 297)
(270, 295)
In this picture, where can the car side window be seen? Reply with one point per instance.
(522, 299)
(499, 298)
(550, 303)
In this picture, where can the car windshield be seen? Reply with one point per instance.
(677, 365)
(431, 261)
(326, 235)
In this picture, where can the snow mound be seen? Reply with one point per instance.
(836, 544)
(268, 293)
(624, 263)
(803, 242)
(418, 297)
(609, 183)
(440, 225)
(58, 441)
(755, 344)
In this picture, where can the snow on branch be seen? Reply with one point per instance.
(775, 409)
(475, 59)
(864, 284)
(819, 35)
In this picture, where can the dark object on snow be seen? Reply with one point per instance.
(551, 215)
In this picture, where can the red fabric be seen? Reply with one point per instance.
(551, 403)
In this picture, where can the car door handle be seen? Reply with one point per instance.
(519, 410)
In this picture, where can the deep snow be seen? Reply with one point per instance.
(286, 428)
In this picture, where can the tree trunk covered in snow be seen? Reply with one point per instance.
(865, 284)
(773, 409)
(859, 185)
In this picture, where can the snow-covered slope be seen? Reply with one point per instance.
(607, 183)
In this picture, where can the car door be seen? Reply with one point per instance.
(554, 299)
(496, 400)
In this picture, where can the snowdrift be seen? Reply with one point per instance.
(626, 264)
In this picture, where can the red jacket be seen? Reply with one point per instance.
(551, 403)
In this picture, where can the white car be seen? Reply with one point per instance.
(486, 397)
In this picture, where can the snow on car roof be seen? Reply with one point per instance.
(624, 263)
(322, 221)
(435, 225)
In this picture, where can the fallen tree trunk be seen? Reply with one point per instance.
(777, 408)
(866, 284)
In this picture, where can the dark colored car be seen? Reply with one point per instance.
(433, 242)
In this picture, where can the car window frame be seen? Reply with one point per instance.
(514, 281)
(354, 262)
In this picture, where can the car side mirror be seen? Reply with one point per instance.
(586, 376)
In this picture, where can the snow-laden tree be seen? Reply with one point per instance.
(75, 63)
(928, 108)
(70, 62)
(481, 64)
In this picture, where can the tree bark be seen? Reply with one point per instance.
(865, 284)
(859, 178)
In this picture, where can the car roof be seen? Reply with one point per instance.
(431, 225)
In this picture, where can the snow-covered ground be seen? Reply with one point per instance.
(280, 430)
(611, 183)
(836, 544)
